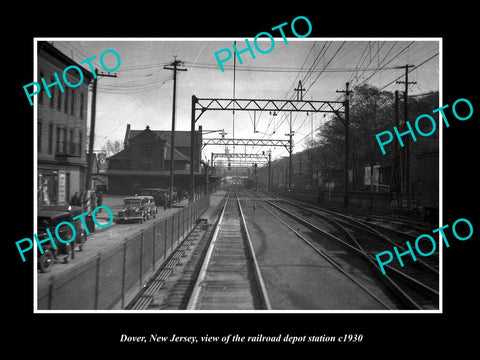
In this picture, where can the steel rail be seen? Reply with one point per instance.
(258, 274)
(201, 282)
(359, 225)
(327, 257)
(203, 270)
(359, 249)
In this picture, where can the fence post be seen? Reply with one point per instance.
(183, 222)
(178, 228)
(173, 223)
(153, 247)
(141, 257)
(166, 223)
(124, 263)
(189, 215)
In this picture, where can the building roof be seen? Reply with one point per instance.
(177, 155)
(182, 138)
(53, 51)
(125, 154)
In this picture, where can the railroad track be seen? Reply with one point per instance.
(415, 285)
(403, 221)
(230, 278)
(390, 236)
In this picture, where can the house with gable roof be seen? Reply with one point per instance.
(145, 161)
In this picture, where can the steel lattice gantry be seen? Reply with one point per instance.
(200, 105)
(265, 105)
(248, 142)
(264, 157)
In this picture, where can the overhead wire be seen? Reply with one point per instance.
(381, 65)
(151, 81)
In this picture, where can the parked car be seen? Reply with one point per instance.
(151, 207)
(160, 195)
(136, 208)
(183, 195)
(49, 217)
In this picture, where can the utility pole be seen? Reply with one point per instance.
(346, 122)
(175, 63)
(269, 171)
(88, 177)
(300, 170)
(397, 169)
(290, 157)
(233, 107)
(299, 90)
(407, 141)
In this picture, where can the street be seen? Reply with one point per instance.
(104, 239)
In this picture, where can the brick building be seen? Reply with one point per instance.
(145, 161)
(61, 129)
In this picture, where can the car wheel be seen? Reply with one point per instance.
(46, 261)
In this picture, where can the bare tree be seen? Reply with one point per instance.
(112, 147)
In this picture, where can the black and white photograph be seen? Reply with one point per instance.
(283, 202)
(301, 178)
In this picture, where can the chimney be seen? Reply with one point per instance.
(127, 136)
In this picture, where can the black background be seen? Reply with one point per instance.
(383, 334)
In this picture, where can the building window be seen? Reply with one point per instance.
(72, 145)
(80, 143)
(66, 101)
(59, 101)
(57, 147)
(39, 136)
(64, 138)
(52, 93)
(40, 94)
(81, 105)
(50, 138)
(72, 105)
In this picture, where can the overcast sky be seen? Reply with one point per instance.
(141, 95)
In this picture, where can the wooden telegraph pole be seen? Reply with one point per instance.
(407, 142)
(175, 63)
(88, 177)
(346, 123)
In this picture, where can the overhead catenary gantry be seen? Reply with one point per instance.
(242, 160)
(204, 104)
(247, 142)
(257, 157)
(201, 105)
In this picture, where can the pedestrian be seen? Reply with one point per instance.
(83, 200)
(93, 199)
(74, 200)
(99, 200)
(164, 202)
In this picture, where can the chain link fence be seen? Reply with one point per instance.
(111, 279)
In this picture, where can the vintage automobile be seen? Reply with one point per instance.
(136, 208)
(151, 206)
(49, 217)
(160, 195)
(183, 195)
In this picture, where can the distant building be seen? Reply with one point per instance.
(145, 161)
(61, 129)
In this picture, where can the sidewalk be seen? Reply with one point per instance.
(115, 204)
(106, 238)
